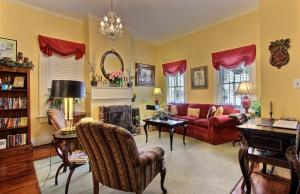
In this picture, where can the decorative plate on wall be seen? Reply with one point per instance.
(279, 54)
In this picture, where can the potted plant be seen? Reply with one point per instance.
(256, 107)
(133, 98)
(94, 75)
(116, 78)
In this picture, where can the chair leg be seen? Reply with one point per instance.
(57, 173)
(96, 185)
(162, 180)
(69, 179)
(65, 168)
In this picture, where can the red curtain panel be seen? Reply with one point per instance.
(62, 47)
(174, 67)
(232, 58)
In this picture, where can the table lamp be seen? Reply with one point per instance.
(157, 93)
(68, 90)
(246, 89)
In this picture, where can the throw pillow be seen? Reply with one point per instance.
(193, 112)
(173, 109)
(219, 111)
(211, 112)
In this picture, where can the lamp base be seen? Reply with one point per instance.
(67, 131)
(246, 103)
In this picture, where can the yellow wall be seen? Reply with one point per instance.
(23, 24)
(197, 48)
(280, 19)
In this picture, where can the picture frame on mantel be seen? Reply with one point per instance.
(144, 75)
(8, 48)
(199, 77)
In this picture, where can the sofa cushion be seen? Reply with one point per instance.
(182, 108)
(201, 123)
(228, 109)
(190, 119)
(203, 109)
(211, 112)
(173, 109)
(219, 111)
(194, 112)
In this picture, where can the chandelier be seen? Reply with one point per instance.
(111, 24)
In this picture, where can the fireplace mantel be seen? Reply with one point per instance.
(103, 93)
(107, 96)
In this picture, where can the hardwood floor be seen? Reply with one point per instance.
(262, 184)
(17, 174)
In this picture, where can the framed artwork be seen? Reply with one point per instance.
(19, 82)
(199, 77)
(8, 48)
(144, 75)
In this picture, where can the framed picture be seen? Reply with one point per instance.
(144, 75)
(199, 77)
(19, 82)
(8, 48)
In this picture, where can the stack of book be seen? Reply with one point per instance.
(16, 140)
(13, 103)
(78, 156)
(13, 122)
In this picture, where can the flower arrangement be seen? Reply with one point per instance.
(116, 78)
(94, 75)
(116, 75)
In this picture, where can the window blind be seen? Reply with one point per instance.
(228, 81)
(176, 88)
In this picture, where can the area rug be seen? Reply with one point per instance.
(196, 168)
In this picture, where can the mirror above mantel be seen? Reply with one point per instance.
(111, 61)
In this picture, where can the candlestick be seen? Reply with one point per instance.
(271, 110)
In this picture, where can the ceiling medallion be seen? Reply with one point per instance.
(111, 24)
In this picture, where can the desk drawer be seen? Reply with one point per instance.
(269, 143)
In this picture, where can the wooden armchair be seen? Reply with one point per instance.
(116, 161)
(294, 162)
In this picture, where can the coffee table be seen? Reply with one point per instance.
(170, 124)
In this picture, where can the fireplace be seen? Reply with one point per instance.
(120, 115)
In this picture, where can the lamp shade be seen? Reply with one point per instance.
(67, 89)
(157, 92)
(244, 88)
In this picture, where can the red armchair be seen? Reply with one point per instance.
(215, 130)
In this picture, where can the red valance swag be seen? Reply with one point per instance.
(174, 67)
(62, 47)
(232, 58)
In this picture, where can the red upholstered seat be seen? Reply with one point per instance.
(202, 123)
(190, 119)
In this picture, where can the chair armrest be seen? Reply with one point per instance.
(221, 121)
(146, 157)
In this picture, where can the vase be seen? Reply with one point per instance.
(94, 83)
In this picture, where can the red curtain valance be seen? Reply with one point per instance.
(232, 58)
(62, 47)
(174, 67)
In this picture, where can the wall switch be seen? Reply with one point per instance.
(296, 83)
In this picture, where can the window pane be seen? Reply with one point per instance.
(176, 88)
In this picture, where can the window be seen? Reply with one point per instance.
(56, 67)
(228, 81)
(176, 90)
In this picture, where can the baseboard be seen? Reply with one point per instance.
(41, 140)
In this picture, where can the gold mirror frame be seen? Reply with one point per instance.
(110, 52)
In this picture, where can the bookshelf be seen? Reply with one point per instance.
(14, 111)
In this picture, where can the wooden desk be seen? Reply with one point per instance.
(263, 144)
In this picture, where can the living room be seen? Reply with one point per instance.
(187, 64)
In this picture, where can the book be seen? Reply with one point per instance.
(286, 124)
(78, 157)
(2, 143)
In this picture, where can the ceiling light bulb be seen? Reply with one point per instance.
(120, 26)
(105, 19)
(118, 20)
(102, 23)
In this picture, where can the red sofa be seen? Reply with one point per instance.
(215, 130)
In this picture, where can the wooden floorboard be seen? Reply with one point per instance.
(262, 184)
(17, 173)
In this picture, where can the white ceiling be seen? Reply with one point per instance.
(154, 21)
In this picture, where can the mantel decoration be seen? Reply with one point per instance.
(94, 75)
(116, 79)
(112, 53)
(111, 24)
(279, 54)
